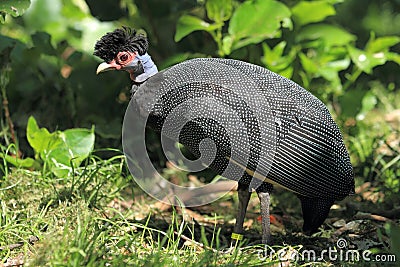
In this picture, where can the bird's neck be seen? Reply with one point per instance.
(149, 68)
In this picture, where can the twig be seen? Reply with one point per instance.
(31, 241)
(218, 187)
(4, 80)
(368, 216)
(201, 245)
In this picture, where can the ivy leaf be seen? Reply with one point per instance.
(307, 12)
(188, 24)
(219, 10)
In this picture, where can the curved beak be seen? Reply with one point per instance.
(105, 67)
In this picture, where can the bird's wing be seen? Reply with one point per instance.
(251, 115)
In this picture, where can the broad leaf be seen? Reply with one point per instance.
(76, 146)
(60, 150)
(307, 12)
(257, 20)
(40, 139)
(188, 24)
(328, 34)
(219, 10)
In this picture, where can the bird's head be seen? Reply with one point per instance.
(124, 49)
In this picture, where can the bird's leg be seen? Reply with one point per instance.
(265, 220)
(244, 197)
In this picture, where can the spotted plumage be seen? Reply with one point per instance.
(265, 130)
(310, 157)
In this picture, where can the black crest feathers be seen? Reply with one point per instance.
(124, 39)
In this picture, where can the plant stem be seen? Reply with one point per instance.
(4, 79)
(353, 77)
(217, 36)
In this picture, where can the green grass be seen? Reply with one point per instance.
(78, 222)
(76, 226)
(89, 220)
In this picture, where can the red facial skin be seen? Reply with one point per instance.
(122, 60)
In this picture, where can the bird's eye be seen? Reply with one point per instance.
(123, 57)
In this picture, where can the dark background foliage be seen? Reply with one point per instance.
(47, 54)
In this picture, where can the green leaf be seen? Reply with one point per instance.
(307, 12)
(188, 24)
(288, 72)
(42, 40)
(381, 44)
(14, 8)
(21, 163)
(257, 20)
(219, 10)
(71, 11)
(338, 65)
(368, 102)
(236, 44)
(39, 138)
(393, 57)
(366, 61)
(227, 42)
(76, 146)
(309, 65)
(350, 102)
(7, 42)
(3, 16)
(276, 61)
(328, 34)
(60, 150)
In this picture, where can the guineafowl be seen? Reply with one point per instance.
(261, 129)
